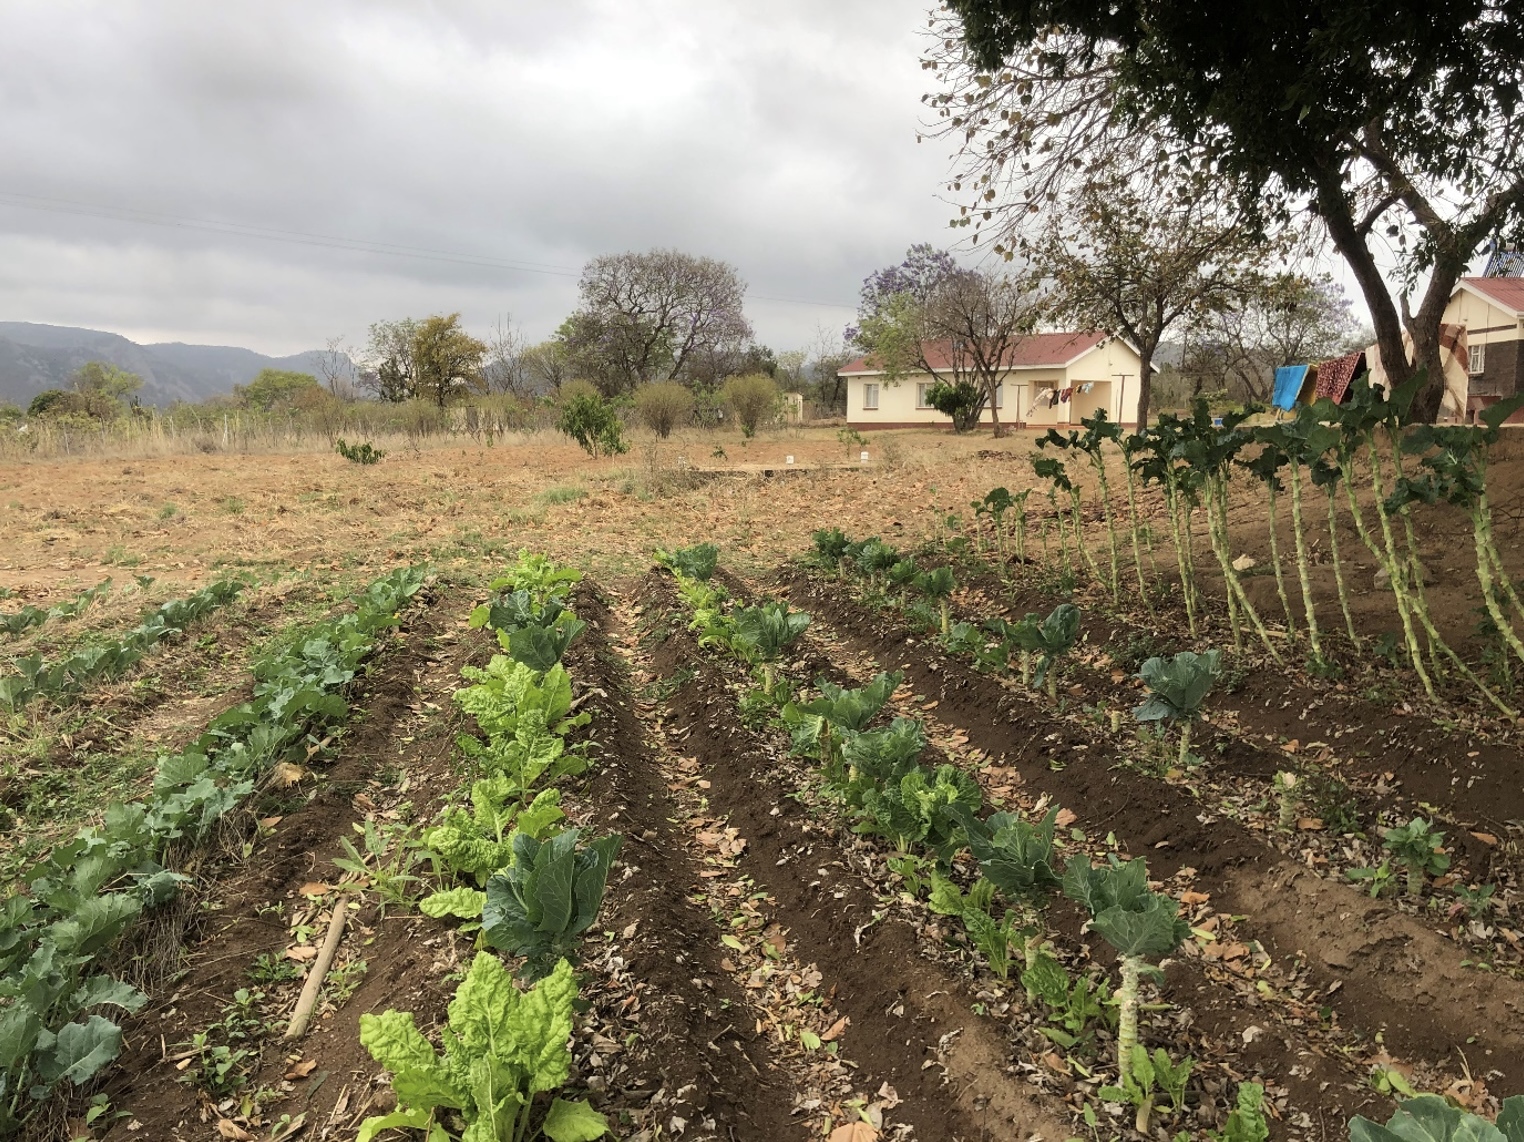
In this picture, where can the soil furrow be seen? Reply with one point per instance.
(696, 1057)
(1389, 973)
(907, 1015)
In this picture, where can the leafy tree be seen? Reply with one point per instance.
(1391, 126)
(391, 370)
(546, 366)
(48, 401)
(1280, 319)
(660, 315)
(447, 360)
(593, 423)
(275, 388)
(1140, 264)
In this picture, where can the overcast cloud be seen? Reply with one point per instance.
(777, 136)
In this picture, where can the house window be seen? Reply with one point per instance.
(1478, 359)
(870, 396)
(923, 395)
(1000, 395)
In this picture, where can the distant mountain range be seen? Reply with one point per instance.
(38, 357)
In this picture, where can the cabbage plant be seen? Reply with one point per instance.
(1050, 638)
(1177, 688)
(760, 634)
(1430, 1118)
(1140, 924)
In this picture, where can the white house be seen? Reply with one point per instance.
(1491, 311)
(1048, 379)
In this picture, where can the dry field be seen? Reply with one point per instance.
(764, 966)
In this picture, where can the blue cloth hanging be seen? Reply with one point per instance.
(1288, 384)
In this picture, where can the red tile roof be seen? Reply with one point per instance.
(1039, 351)
(1504, 291)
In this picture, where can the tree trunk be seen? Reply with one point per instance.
(1145, 385)
(989, 398)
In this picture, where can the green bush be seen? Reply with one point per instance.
(963, 401)
(663, 406)
(358, 453)
(752, 398)
(593, 423)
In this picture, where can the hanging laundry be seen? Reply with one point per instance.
(1288, 386)
(1087, 386)
(1067, 393)
(1334, 376)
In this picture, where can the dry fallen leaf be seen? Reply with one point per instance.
(302, 953)
(1065, 818)
(230, 1130)
(302, 1069)
(854, 1132)
(1194, 897)
(1485, 838)
(1309, 824)
(835, 1030)
(315, 888)
(286, 774)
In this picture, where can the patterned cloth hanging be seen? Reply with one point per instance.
(1334, 376)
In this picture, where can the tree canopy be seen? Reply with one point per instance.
(659, 315)
(1393, 125)
(276, 388)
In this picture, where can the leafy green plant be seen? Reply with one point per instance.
(1073, 1004)
(502, 1048)
(696, 562)
(1015, 856)
(362, 453)
(918, 809)
(762, 633)
(904, 573)
(1430, 1118)
(547, 897)
(1419, 849)
(386, 865)
(538, 574)
(1146, 1078)
(938, 584)
(879, 757)
(506, 691)
(1141, 925)
(817, 726)
(831, 545)
(874, 557)
(1375, 880)
(476, 843)
(27, 617)
(1177, 688)
(1246, 1122)
(991, 937)
(594, 424)
(1051, 638)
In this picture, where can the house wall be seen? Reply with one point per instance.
(1497, 329)
(1020, 405)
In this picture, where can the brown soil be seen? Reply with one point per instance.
(1388, 972)
(904, 1011)
(402, 965)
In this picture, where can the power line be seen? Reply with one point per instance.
(319, 241)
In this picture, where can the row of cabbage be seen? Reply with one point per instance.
(931, 817)
(509, 869)
(62, 927)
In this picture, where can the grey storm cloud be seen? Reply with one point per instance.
(398, 159)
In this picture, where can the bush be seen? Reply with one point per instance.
(358, 453)
(752, 398)
(663, 406)
(964, 402)
(593, 423)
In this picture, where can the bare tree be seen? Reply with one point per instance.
(983, 316)
(336, 367)
(390, 368)
(659, 315)
(546, 366)
(504, 369)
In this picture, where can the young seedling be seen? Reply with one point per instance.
(1419, 849)
(1287, 795)
(1247, 1121)
(1140, 924)
(696, 562)
(1017, 858)
(1177, 687)
(1149, 1075)
(938, 584)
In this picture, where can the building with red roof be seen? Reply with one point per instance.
(1047, 380)
(1491, 310)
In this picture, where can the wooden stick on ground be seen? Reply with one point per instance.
(303, 1012)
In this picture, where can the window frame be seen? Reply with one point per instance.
(870, 396)
(922, 389)
(1476, 359)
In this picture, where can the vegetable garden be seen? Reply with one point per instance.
(1069, 821)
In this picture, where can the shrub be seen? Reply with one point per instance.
(964, 402)
(363, 453)
(752, 398)
(661, 407)
(593, 423)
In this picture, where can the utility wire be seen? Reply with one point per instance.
(320, 241)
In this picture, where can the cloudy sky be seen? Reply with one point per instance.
(489, 147)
